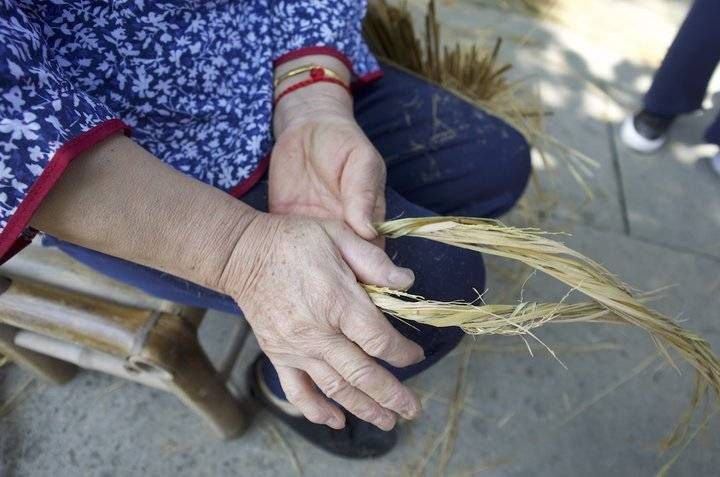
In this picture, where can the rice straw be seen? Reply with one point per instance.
(475, 74)
(612, 300)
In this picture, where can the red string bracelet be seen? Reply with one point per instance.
(317, 75)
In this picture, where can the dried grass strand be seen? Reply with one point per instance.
(509, 320)
(613, 301)
(475, 72)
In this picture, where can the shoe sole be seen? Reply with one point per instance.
(336, 442)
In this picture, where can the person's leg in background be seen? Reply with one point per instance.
(681, 81)
(680, 84)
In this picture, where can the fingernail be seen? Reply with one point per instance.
(385, 421)
(385, 424)
(421, 358)
(371, 228)
(402, 278)
(334, 422)
(412, 410)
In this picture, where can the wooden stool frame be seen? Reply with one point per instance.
(57, 315)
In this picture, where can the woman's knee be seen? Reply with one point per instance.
(498, 188)
(447, 339)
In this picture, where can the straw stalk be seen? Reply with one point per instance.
(610, 299)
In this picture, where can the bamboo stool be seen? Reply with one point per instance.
(56, 314)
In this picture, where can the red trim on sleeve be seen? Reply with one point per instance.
(329, 51)
(242, 188)
(16, 234)
(368, 78)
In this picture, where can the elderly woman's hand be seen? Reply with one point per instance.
(296, 279)
(322, 164)
(315, 322)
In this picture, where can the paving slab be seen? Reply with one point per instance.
(557, 429)
(618, 25)
(673, 196)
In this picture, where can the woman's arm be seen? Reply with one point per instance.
(119, 199)
(294, 278)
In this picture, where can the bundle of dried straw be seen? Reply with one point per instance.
(475, 74)
(612, 300)
(474, 71)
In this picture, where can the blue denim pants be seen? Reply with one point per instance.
(444, 157)
(681, 81)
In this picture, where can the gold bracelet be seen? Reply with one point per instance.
(305, 69)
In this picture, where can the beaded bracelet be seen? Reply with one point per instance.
(318, 74)
(304, 69)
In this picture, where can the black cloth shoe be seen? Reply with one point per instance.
(646, 131)
(357, 440)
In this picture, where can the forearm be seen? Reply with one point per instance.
(121, 200)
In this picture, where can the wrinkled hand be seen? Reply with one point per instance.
(322, 164)
(314, 321)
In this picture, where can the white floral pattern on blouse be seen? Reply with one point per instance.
(193, 79)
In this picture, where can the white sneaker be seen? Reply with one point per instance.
(645, 132)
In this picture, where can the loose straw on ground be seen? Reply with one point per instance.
(612, 300)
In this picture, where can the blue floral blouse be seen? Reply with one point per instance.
(191, 79)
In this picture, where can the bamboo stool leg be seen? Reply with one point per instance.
(201, 388)
(50, 369)
(192, 315)
(172, 347)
